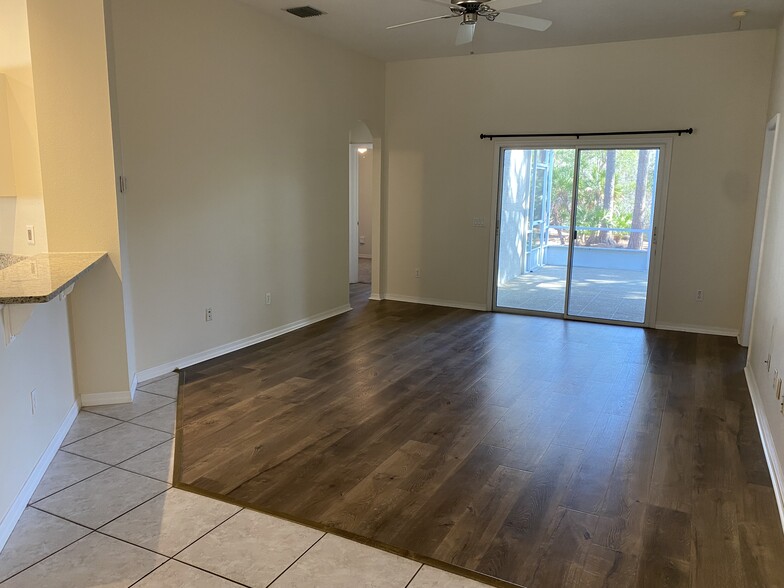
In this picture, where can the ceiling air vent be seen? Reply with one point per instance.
(304, 11)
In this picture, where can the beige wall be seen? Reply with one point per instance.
(7, 180)
(767, 335)
(20, 166)
(43, 343)
(440, 175)
(68, 47)
(234, 134)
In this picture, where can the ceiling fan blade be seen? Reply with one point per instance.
(508, 4)
(526, 22)
(405, 24)
(465, 33)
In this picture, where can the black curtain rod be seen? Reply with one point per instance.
(680, 132)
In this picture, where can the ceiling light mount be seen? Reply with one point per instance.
(739, 15)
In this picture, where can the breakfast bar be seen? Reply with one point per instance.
(27, 281)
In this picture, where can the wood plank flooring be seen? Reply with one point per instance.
(531, 450)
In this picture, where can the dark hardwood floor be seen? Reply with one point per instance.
(536, 451)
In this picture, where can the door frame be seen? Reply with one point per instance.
(664, 144)
(761, 215)
(353, 209)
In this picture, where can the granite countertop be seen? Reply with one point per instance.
(7, 259)
(42, 277)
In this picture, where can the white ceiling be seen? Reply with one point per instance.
(361, 24)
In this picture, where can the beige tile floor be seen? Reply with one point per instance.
(106, 515)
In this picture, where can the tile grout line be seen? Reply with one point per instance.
(203, 535)
(296, 560)
(174, 557)
(149, 427)
(163, 563)
(120, 422)
(116, 465)
(419, 569)
(107, 522)
(91, 531)
(155, 393)
(145, 475)
(98, 529)
(171, 559)
(33, 503)
(87, 408)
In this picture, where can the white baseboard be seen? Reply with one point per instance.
(375, 296)
(774, 463)
(435, 302)
(23, 498)
(102, 398)
(701, 329)
(184, 362)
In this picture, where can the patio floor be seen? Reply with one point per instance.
(606, 293)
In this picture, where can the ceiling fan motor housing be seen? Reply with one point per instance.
(470, 4)
(471, 10)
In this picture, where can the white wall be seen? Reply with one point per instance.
(38, 359)
(439, 173)
(20, 165)
(767, 334)
(365, 188)
(234, 131)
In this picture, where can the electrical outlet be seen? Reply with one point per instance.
(478, 221)
(208, 314)
(700, 295)
(30, 234)
(417, 273)
(34, 401)
(268, 298)
(362, 239)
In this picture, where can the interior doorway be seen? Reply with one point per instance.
(576, 231)
(360, 212)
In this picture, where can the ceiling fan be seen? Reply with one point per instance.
(469, 12)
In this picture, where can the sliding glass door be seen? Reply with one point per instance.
(575, 231)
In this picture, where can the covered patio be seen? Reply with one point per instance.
(609, 293)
